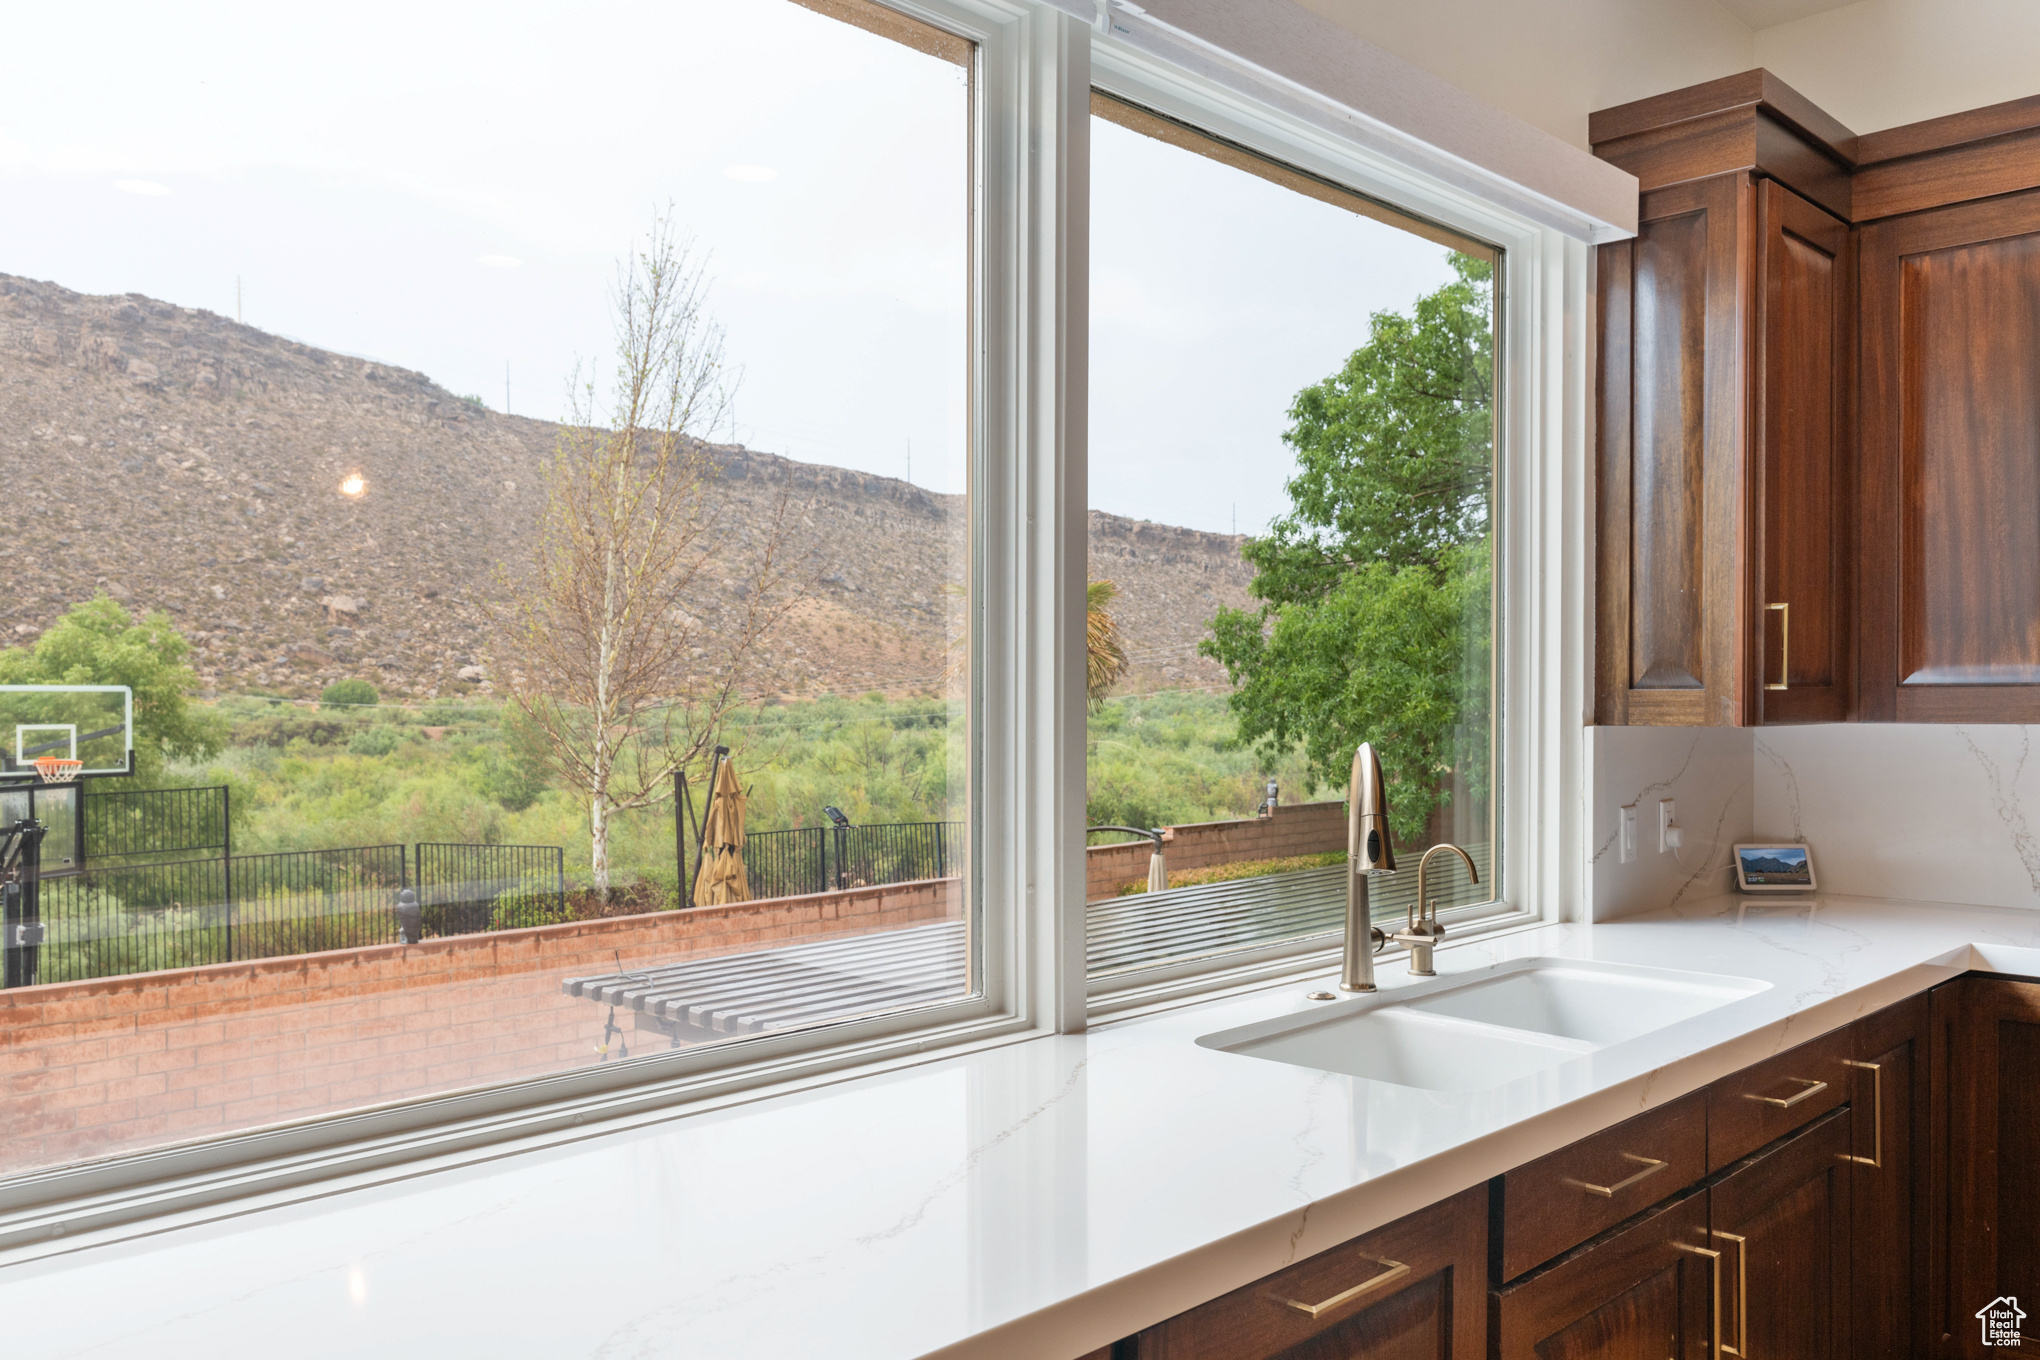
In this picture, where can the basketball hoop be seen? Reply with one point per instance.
(57, 770)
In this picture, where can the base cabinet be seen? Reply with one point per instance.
(1987, 1173)
(1414, 1290)
(1642, 1290)
(1781, 1222)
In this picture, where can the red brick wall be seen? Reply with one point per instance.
(1297, 829)
(117, 1064)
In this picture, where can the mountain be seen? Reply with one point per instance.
(183, 461)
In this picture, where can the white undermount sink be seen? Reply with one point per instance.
(1477, 1033)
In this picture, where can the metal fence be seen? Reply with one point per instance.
(463, 889)
(133, 823)
(133, 918)
(816, 859)
(141, 917)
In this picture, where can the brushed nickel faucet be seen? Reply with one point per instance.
(1423, 932)
(1368, 853)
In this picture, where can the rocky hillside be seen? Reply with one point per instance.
(178, 460)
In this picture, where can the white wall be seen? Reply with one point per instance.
(1873, 65)
(1883, 63)
(1552, 62)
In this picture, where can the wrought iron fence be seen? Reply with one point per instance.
(463, 889)
(816, 859)
(132, 823)
(133, 918)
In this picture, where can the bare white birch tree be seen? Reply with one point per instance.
(627, 646)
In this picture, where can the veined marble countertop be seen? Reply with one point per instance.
(1036, 1200)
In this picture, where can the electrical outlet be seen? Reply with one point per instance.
(1667, 818)
(1626, 837)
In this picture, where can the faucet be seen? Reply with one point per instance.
(1423, 932)
(1368, 853)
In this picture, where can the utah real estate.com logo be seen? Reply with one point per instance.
(2001, 1318)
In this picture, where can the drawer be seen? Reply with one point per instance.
(1558, 1201)
(1771, 1099)
(1412, 1288)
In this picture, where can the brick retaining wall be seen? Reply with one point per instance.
(1295, 829)
(116, 1064)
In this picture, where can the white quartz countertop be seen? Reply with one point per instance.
(1036, 1200)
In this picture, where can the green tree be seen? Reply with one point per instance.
(349, 693)
(97, 642)
(1375, 589)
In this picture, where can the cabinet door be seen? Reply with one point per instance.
(1414, 1290)
(1950, 421)
(1992, 1166)
(1642, 1291)
(1781, 1220)
(1670, 580)
(1887, 1185)
(1800, 658)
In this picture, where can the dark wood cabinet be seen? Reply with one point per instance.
(1414, 1290)
(1723, 503)
(1819, 415)
(1986, 1178)
(1781, 1221)
(1888, 1193)
(1649, 1289)
(1951, 454)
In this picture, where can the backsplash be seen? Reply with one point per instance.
(1930, 811)
(1706, 771)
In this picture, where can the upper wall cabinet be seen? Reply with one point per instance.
(1819, 421)
(1724, 476)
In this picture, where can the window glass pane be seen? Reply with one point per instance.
(1291, 545)
(521, 472)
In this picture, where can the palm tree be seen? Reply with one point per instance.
(1105, 662)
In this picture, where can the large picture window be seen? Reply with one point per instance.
(528, 497)
(1292, 545)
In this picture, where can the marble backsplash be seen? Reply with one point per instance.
(1925, 811)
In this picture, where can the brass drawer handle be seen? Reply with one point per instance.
(1715, 1293)
(1784, 645)
(1651, 1166)
(1396, 1270)
(1742, 1294)
(1876, 1159)
(1813, 1088)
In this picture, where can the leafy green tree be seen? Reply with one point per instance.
(350, 693)
(97, 642)
(1375, 589)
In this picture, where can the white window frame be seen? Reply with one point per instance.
(1543, 296)
(1037, 65)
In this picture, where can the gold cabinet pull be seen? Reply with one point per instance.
(1784, 645)
(1742, 1293)
(1813, 1088)
(1395, 1271)
(1715, 1257)
(1876, 1071)
(1651, 1166)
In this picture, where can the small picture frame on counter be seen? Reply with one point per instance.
(1774, 868)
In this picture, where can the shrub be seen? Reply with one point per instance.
(349, 693)
(374, 741)
(524, 908)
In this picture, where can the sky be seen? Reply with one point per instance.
(449, 188)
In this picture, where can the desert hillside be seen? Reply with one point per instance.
(179, 460)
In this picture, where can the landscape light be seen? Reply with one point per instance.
(353, 486)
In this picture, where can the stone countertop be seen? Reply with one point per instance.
(1039, 1199)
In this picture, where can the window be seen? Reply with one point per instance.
(1292, 481)
(357, 394)
(532, 510)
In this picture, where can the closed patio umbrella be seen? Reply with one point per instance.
(722, 878)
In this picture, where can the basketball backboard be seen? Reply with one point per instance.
(93, 724)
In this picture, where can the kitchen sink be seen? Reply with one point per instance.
(1477, 1033)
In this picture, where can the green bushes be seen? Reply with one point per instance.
(348, 693)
